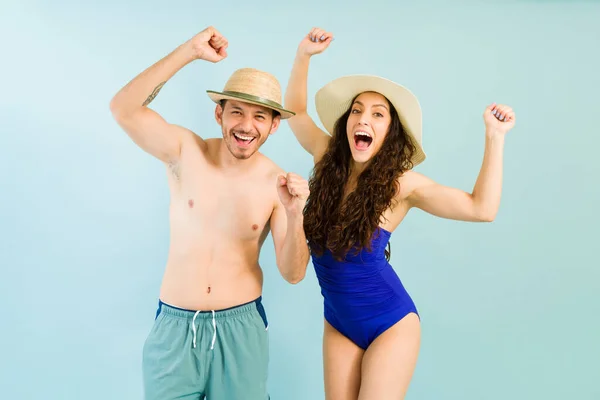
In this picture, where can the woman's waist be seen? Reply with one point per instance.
(352, 299)
(353, 277)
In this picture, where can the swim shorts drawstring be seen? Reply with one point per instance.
(214, 323)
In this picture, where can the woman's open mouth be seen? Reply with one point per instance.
(362, 140)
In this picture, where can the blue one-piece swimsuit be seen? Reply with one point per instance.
(363, 295)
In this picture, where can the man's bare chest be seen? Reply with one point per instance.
(228, 205)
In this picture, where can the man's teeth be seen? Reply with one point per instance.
(242, 137)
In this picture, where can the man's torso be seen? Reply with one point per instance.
(219, 219)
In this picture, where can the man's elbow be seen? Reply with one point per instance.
(121, 111)
(296, 274)
(296, 277)
(115, 107)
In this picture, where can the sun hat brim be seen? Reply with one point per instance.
(248, 98)
(334, 99)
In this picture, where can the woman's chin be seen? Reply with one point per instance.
(361, 157)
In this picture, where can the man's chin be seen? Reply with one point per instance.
(243, 154)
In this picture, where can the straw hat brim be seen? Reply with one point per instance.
(334, 99)
(247, 98)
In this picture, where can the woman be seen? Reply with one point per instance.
(362, 187)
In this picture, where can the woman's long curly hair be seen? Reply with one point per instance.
(339, 225)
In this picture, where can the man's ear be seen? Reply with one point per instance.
(275, 124)
(219, 114)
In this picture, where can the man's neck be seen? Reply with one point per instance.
(227, 161)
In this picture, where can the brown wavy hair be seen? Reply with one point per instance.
(339, 225)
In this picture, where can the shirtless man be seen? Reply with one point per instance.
(210, 332)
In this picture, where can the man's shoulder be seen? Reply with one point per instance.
(192, 140)
(270, 167)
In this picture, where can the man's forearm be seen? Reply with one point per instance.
(294, 252)
(140, 91)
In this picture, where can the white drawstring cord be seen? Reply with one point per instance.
(214, 322)
(194, 327)
(212, 346)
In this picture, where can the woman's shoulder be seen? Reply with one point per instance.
(410, 182)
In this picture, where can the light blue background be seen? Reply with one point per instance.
(510, 309)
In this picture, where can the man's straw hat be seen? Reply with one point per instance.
(255, 87)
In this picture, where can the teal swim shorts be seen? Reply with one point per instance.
(212, 355)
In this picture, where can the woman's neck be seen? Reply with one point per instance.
(355, 170)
